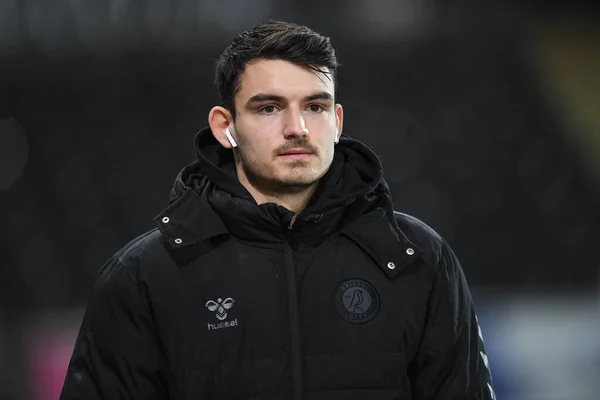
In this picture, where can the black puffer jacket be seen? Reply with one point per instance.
(226, 301)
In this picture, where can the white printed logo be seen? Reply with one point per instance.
(484, 357)
(492, 392)
(220, 308)
(485, 360)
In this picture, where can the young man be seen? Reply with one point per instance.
(280, 269)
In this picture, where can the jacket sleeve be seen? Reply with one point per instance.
(116, 354)
(451, 363)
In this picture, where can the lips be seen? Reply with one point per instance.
(296, 152)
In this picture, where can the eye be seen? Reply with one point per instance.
(316, 108)
(268, 109)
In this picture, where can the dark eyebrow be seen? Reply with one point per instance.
(263, 97)
(319, 96)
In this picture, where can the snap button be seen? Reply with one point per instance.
(391, 265)
(165, 220)
(410, 251)
(178, 241)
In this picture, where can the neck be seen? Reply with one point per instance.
(294, 200)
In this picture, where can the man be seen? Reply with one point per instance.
(279, 269)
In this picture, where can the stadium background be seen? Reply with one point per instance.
(486, 116)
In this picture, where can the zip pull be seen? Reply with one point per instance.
(291, 225)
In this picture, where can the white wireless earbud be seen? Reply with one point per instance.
(230, 138)
(337, 135)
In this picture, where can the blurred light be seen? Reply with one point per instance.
(49, 339)
(10, 35)
(159, 16)
(48, 23)
(553, 341)
(565, 56)
(239, 15)
(392, 19)
(92, 23)
(14, 152)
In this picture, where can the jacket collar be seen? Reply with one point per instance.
(190, 221)
(378, 235)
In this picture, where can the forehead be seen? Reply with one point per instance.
(283, 78)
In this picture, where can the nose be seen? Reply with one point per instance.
(295, 125)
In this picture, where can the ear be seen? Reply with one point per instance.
(339, 120)
(219, 119)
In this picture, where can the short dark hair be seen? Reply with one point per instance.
(272, 40)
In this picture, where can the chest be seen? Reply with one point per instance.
(238, 300)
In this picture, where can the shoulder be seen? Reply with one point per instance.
(418, 230)
(142, 254)
(120, 283)
(436, 248)
(140, 246)
(423, 235)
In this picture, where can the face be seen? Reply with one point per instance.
(285, 125)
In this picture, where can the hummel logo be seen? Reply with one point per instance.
(220, 306)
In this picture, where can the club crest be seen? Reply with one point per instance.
(357, 301)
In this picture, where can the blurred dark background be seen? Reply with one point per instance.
(486, 116)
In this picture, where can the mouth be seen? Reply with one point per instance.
(293, 154)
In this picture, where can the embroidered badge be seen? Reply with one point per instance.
(357, 301)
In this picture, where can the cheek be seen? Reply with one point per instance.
(259, 149)
(327, 152)
(324, 124)
(327, 141)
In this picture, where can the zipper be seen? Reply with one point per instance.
(297, 392)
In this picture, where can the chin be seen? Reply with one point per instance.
(294, 182)
(299, 180)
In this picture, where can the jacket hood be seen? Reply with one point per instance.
(355, 172)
